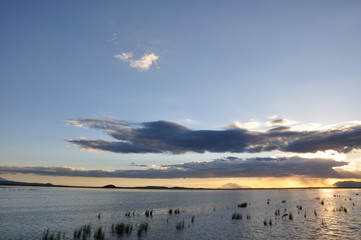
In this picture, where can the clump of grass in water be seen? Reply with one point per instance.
(149, 213)
(277, 213)
(265, 222)
(99, 234)
(237, 216)
(180, 225)
(121, 228)
(143, 227)
(83, 232)
(242, 205)
(52, 236)
(128, 229)
(345, 209)
(341, 209)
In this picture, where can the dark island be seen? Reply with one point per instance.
(109, 186)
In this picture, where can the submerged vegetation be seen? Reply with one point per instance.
(180, 225)
(143, 227)
(121, 228)
(237, 216)
(52, 236)
(242, 205)
(99, 234)
(83, 232)
(136, 223)
(149, 213)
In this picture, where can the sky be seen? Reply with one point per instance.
(182, 93)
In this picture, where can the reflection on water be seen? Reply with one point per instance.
(27, 213)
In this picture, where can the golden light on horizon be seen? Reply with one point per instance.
(251, 182)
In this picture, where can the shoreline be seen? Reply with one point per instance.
(19, 184)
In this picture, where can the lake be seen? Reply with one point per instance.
(28, 212)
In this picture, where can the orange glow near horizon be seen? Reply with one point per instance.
(269, 182)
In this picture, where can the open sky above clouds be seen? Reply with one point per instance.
(180, 93)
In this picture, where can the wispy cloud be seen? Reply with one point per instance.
(280, 122)
(174, 138)
(247, 125)
(124, 56)
(143, 63)
(219, 168)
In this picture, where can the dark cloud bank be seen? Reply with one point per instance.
(348, 184)
(170, 137)
(219, 168)
(173, 138)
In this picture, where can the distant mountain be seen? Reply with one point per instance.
(6, 182)
(348, 184)
(233, 186)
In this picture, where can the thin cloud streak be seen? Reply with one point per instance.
(174, 138)
(219, 168)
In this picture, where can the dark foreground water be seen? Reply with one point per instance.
(27, 213)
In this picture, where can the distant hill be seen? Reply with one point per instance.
(6, 182)
(109, 186)
(233, 186)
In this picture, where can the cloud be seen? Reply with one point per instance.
(218, 168)
(174, 138)
(280, 122)
(124, 56)
(247, 125)
(144, 63)
(264, 167)
(348, 184)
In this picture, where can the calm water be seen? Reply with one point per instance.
(26, 213)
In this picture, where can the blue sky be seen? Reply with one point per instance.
(205, 65)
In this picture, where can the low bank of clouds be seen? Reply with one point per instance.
(218, 168)
(348, 184)
(170, 137)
